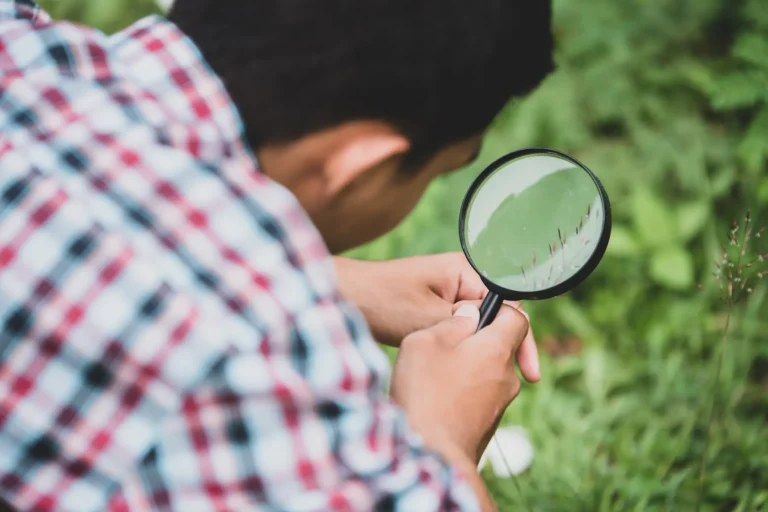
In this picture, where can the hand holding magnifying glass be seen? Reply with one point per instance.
(534, 225)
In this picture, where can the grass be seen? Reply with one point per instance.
(621, 419)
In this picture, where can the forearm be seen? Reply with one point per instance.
(349, 272)
(344, 266)
(437, 438)
(360, 286)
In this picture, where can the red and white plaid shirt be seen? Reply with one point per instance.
(171, 332)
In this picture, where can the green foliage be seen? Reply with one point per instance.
(107, 15)
(667, 101)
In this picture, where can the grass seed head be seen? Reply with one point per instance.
(735, 273)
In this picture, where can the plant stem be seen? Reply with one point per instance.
(710, 419)
(512, 475)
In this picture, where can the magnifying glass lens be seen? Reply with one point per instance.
(534, 222)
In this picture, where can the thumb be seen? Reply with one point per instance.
(462, 304)
(456, 329)
(470, 311)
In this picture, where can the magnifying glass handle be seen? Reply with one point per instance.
(489, 309)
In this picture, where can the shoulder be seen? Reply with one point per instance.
(22, 10)
(142, 135)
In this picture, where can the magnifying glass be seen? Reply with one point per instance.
(534, 224)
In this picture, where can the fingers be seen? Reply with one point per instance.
(528, 354)
(469, 285)
(508, 329)
(528, 351)
(528, 359)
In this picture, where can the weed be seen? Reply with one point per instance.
(735, 275)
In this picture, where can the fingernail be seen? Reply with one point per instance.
(468, 311)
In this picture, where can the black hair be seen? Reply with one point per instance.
(438, 70)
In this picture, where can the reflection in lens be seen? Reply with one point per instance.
(534, 223)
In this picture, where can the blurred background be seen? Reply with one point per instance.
(667, 102)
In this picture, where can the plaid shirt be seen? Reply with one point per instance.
(171, 333)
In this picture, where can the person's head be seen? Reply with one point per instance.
(356, 106)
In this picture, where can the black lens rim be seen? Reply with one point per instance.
(573, 281)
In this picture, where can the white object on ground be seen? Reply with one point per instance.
(512, 445)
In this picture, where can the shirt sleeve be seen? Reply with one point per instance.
(301, 424)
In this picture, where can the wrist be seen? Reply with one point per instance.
(375, 290)
(468, 471)
(438, 438)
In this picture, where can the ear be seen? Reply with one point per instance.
(358, 153)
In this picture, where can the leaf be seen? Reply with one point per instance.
(575, 319)
(691, 219)
(653, 220)
(623, 242)
(740, 90)
(595, 374)
(753, 149)
(753, 48)
(104, 15)
(762, 192)
(754, 10)
(672, 267)
(722, 181)
(696, 74)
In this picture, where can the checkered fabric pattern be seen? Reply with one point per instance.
(171, 333)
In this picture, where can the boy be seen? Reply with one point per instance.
(173, 334)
